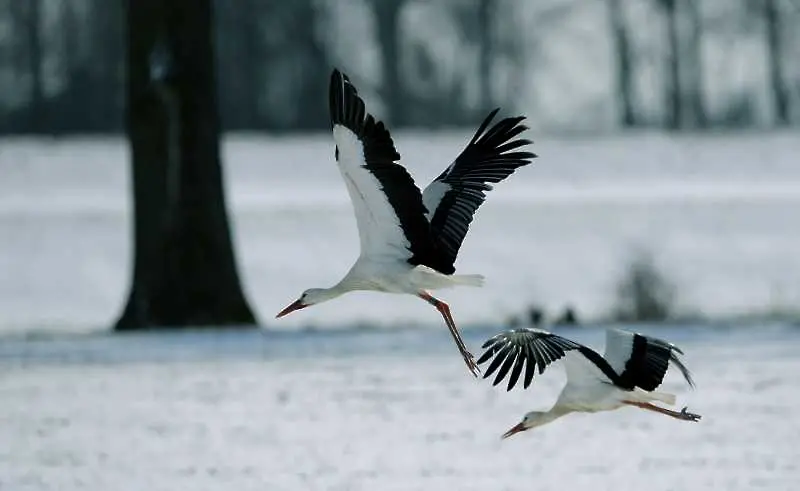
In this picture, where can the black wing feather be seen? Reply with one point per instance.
(527, 346)
(347, 109)
(648, 363)
(507, 365)
(530, 367)
(515, 373)
(488, 158)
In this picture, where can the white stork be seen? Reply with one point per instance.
(409, 240)
(632, 368)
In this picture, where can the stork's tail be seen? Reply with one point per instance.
(468, 279)
(640, 395)
(663, 397)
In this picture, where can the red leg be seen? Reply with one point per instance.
(683, 415)
(444, 309)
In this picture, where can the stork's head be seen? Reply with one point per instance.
(531, 420)
(309, 297)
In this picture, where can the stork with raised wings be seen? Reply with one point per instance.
(629, 373)
(410, 240)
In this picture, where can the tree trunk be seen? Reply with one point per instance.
(486, 15)
(696, 98)
(673, 91)
(184, 271)
(35, 67)
(780, 92)
(387, 15)
(624, 66)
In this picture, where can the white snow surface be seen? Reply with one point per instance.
(718, 211)
(389, 410)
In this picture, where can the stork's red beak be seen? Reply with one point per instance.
(297, 305)
(516, 429)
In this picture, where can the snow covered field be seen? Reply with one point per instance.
(719, 212)
(366, 410)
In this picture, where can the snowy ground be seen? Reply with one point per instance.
(718, 211)
(377, 410)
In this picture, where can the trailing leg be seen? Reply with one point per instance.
(444, 309)
(683, 414)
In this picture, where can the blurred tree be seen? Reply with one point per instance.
(28, 61)
(69, 55)
(644, 293)
(184, 271)
(777, 80)
(569, 317)
(104, 71)
(309, 73)
(66, 72)
(241, 58)
(272, 65)
(248, 70)
(694, 65)
(624, 64)
(91, 95)
(503, 56)
(36, 66)
(673, 92)
(435, 92)
(486, 17)
(12, 18)
(389, 33)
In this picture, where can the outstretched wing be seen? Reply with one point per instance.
(387, 204)
(529, 348)
(641, 361)
(453, 197)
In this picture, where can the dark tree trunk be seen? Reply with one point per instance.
(624, 64)
(673, 91)
(780, 92)
(486, 15)
(184, 271)
(33, 36)
(695, 93)
(387, 15)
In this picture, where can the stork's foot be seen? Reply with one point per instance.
(470, 361)
(687, 416)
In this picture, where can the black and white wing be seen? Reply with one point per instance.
(453, 197)
(387, 204)
(641, 361)
(526, 348)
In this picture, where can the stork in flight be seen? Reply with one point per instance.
(409, 240)
(628, 374)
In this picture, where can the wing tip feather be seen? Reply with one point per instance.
(526, 348)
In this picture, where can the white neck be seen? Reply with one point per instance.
(347, 284)
(551, 415)
(319, 295)
(555, 412)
